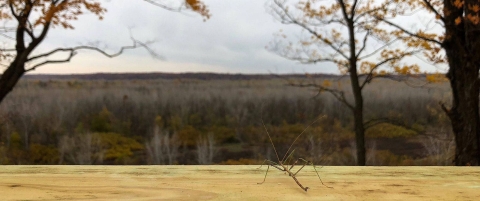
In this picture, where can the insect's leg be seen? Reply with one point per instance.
(315, 168)
(262, 163)
(271, 163)
(293, 165)
(299, 184)
(306, 162)
(287, 159)
(268, 167)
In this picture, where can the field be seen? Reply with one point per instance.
(210, 119)
(217, 182)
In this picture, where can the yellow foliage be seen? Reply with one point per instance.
(159, 121)
(102, 122)
(327, 83)
(407, 69)
(436, 78)
(117, 147)
(222, 133)
(188, 135)
(61, 13)
(367, 67)
(389, 131)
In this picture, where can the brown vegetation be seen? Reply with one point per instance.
(193, 121)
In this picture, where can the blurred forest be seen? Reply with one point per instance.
(186, 120)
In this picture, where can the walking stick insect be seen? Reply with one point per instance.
(283, 166)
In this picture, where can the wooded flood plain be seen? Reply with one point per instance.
(189, 121)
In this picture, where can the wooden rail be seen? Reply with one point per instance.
(236, 183)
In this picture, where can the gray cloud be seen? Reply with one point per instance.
(233, 40)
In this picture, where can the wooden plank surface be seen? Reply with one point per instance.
(236, 183)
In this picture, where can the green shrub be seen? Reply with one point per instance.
(16, 152)
(3, 155)
(102, 122)
(43, 155)
(389, 131)
(188, 135)
(118, 148)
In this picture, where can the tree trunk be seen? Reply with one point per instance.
(360, 137)
(462, 47)
(464, 114)
(357, 94)
(358, 119)
(10, 78)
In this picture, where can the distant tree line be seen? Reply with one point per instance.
(213, 122)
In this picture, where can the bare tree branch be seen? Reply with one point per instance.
(409, 33)
(370, 75)
(12, 10)
(155, 3)
(364, 43)
(7, 50)
(73, 52)
(354, 7)
(71, 55)
(377, 50)
(7, 36)
(431, 8)
(366, 13)
(289, 19)
(338, 94)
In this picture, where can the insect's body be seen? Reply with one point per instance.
(282, 165)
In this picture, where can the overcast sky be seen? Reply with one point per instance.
(233, 40)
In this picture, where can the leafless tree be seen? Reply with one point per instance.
(162, 149)
(346, 34)
(81, 149)
(371, 151)
(27, 111)
(206, 149)
(32, 22)
(440, 148)
(316, 152)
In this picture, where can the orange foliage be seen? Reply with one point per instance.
(327, 83)
(61, 13)
(329, 25)
(436, 78)
(199, 7)
(474, 19)
(458, 3)
(54, 13)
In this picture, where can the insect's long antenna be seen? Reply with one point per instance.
(286, 153)
(276, 153)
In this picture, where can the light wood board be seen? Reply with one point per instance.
(236, 183)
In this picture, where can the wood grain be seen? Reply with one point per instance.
(236, 183)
